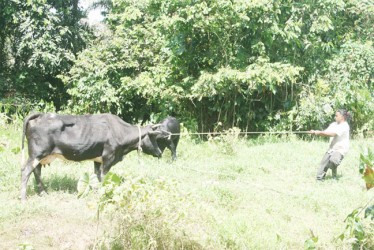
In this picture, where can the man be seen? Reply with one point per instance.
(338, 132)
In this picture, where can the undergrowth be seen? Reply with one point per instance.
(147, 214)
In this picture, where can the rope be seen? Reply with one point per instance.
(241, 133)
(140, 140)
(140, 150)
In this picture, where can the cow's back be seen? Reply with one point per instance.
(76, 137)
(40, 132)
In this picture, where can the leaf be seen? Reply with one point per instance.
(112, 178)
(352, 215)
(16, 150)
(369, 212)
(365, 159)
(369, 177)
(83, 185)
(341, 237)
(86, 183)
(361, 167)
(309, 244)
(359, 231)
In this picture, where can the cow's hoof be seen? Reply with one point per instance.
(43, 193)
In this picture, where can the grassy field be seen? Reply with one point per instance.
(253, 194)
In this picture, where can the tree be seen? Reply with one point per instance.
(249, 64)
(38, 41)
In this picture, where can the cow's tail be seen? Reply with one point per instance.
(25, 123)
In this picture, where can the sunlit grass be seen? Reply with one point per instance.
(262, 196)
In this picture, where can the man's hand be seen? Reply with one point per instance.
(314, 132)
(322, 133)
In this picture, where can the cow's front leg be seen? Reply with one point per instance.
(97, 170)
(108, 162)
(173, 150)
(104, 170)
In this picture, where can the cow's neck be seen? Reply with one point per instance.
(134, 140)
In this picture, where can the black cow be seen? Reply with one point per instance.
(102, 138)
(165, 139)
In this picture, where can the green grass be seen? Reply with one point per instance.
(264, 196)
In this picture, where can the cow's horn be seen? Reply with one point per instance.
(154, 132)
(156, 125)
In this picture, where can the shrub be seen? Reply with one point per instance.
(366, 168)
(358, 229)
(146, 214)
(226, 141)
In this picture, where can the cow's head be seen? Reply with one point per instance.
(149, 141)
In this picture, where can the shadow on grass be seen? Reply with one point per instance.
(334, 178)
(330, 178)
(59, 183)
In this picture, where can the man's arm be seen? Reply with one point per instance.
(322, 133)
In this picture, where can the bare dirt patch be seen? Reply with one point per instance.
(58, 221)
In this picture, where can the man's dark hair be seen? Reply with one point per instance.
(347, 115)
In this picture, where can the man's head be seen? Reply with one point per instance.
(342, 115)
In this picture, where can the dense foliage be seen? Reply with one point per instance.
(256, 65)
(39, 39)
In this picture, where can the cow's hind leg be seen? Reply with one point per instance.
(38, 178)
(25, 175)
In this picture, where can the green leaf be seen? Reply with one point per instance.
(359, 231)
(86, 183)
(369, 212)
(352, 215)
(309, 244)
(361, 167)
(16, 150)
(341, 237)
(111, 178)
(366, 159)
